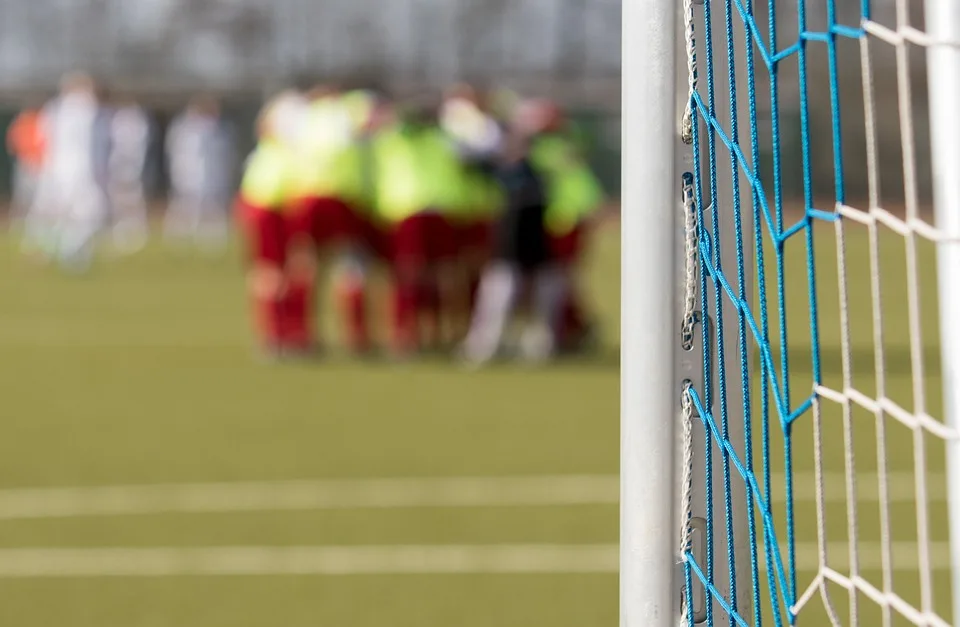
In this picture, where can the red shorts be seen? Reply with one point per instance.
(265, 232)
(328, 221)
(475, 236)
(568, 248)
(424, 238)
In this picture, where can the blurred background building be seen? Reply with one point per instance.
(163, 50)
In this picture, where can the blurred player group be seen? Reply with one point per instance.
(80, 170)
(476, 205)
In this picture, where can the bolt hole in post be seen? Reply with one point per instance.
(698, 529)
(687, 327)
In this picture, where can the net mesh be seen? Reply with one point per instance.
(830, 365)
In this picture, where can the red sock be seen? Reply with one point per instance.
(353, 304)
(405, 299)
(428, 303)
(396, 313)
(298, 323)
(574, 322)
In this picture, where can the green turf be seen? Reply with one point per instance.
(142, 372)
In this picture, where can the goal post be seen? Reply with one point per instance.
(648, 394)
(943, 69)
(672, 463)
(707, 538)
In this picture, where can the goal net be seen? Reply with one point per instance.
(791, 302)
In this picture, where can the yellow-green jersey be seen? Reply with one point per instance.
(448, 178)
(399, 191)
(484, 195)
(269, 177)
(359, 105)
(325, 151)
(415, 170)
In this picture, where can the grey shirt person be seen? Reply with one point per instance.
(200, 153)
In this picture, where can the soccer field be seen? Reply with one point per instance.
(349, 493)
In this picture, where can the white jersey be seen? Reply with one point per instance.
(129, 140)
(328, 124)
(477, 134)
(199, 152)
(68, 124)
(287, 119)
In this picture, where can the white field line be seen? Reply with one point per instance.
(308, 560)
(315, 495)
(380, 560)
(307, 495)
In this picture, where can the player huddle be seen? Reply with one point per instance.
(477, 207)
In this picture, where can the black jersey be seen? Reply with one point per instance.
(520, 236)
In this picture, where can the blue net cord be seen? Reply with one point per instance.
(713, 143)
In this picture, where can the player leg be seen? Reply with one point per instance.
(550, 294)
(139, 227)
(24, 190)
(265, 235)
(475, 254)
(41, 222)
(176, 221)
(576, 327)
(500, 285)
(429, 304)
(349, 274)
(429, 300)
(446, 284)
(328, 230)
(83, 219)
(130, 207)
(409, 272)
(380, 300)
(302, 227)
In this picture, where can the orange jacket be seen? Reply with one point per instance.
(25, 139)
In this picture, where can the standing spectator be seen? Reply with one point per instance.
(69, 207)
(25, 143)
(200, 153)
(129, 134)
